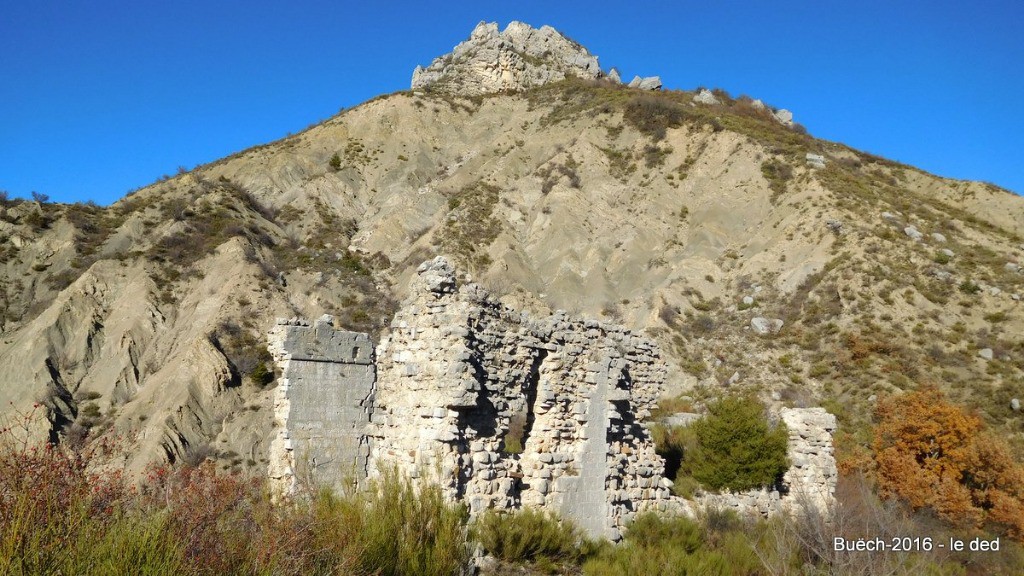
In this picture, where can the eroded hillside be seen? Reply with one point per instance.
(685, 218)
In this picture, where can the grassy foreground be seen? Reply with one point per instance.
(58, 516)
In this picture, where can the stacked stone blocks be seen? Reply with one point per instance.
(501, 410)
(321, 406)
(460, 372)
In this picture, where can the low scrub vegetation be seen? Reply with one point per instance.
(59, 517)
(246, 354)
(655, 545)
(61, 512)
(934, 455)
(778, 174)
(471, 226)
(531, 537)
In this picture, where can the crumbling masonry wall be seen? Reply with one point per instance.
(321, 406)
(504, 411)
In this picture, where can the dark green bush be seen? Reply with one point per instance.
(968, 287)
(261, 375)
(736, 449)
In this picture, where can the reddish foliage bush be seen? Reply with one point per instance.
(933, 454)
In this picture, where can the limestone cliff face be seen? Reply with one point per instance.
(517, 58)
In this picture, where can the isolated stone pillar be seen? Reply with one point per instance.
(322, 405)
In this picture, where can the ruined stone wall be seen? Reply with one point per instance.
(502, 410)
(505, 411)
(321, 406)
(812, 475)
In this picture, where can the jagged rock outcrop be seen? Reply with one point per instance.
(514, 59)
(764, 326)
(648, 83)
(785, 117)
(704, 96)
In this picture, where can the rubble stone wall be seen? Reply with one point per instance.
(322, 404)
(502, 410)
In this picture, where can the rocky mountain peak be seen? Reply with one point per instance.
(514, 59)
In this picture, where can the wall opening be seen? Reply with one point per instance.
(520, 423)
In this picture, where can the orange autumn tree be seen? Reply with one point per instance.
(933, 454)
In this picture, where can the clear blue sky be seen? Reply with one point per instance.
(97, 98)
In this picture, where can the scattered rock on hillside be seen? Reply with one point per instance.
(517, 58)
(651, 83)
(938, 237)
(648, 83)
(784, 116)
(1015, 405)
(986, 353)
(1011, 267)
(704, 96)
(815, 160)
(947, 252)
(613, 75)
(764, 326)
(913, 233)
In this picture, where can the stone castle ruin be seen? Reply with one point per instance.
(502, 410)
(322, 404)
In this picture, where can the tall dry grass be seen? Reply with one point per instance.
(57, 516)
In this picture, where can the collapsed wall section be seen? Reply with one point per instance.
(505, 411)
(501, 410)
(322, 405)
